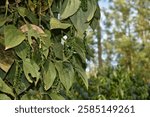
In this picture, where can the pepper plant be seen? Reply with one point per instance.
(43, 47)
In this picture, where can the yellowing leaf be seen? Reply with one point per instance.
(25, 28)
(49, 74)
(56, 24)
(70, 8)
(13, 36)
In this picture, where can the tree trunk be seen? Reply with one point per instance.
(99, 45)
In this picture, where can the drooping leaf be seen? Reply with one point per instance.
(5, 88)
(6, 58)
(56, 96)
(80, 71)
(94, 23)
(82, 74)
(22, 50)
(2, 73)
(70, 7)
(31, 69)
(56, 24)
(81, 19)
(58, 50)
(49, 74)
(13, 36)
(79, 48)
(91, 9)
(66, 74)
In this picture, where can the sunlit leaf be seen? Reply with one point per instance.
(13, 36)
(31, 69)
(4, 97)
(56, 96)
(70, 7)
(49, 74)
(5, 88)
(56, 24)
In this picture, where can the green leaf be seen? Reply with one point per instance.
(22, 11)
(56, 24)
(31, 69)
(5, 88)
(70, 7)
(58, 50)
(2, 73)
(13, 36)
(91, 9)
(2, 21)
(56, 96)
(4, 97)
(49, 74)
(50, 2)
(81, 19)
(79, 48)
(82, 74)
(94, 23)
(22, 50)
(66, 74)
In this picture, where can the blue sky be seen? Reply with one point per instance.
(103, 3)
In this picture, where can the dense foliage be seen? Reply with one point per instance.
(43, 47)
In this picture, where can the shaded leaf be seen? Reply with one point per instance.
(79, 48)
(22, 50)
(58, 50)
(13, 36)
(49, 74)
(2, 21)
(66, 74)
(70, 7)
(6, 58)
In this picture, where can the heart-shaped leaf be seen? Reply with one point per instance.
(49, 74)
(70, 7)
(13, 36)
